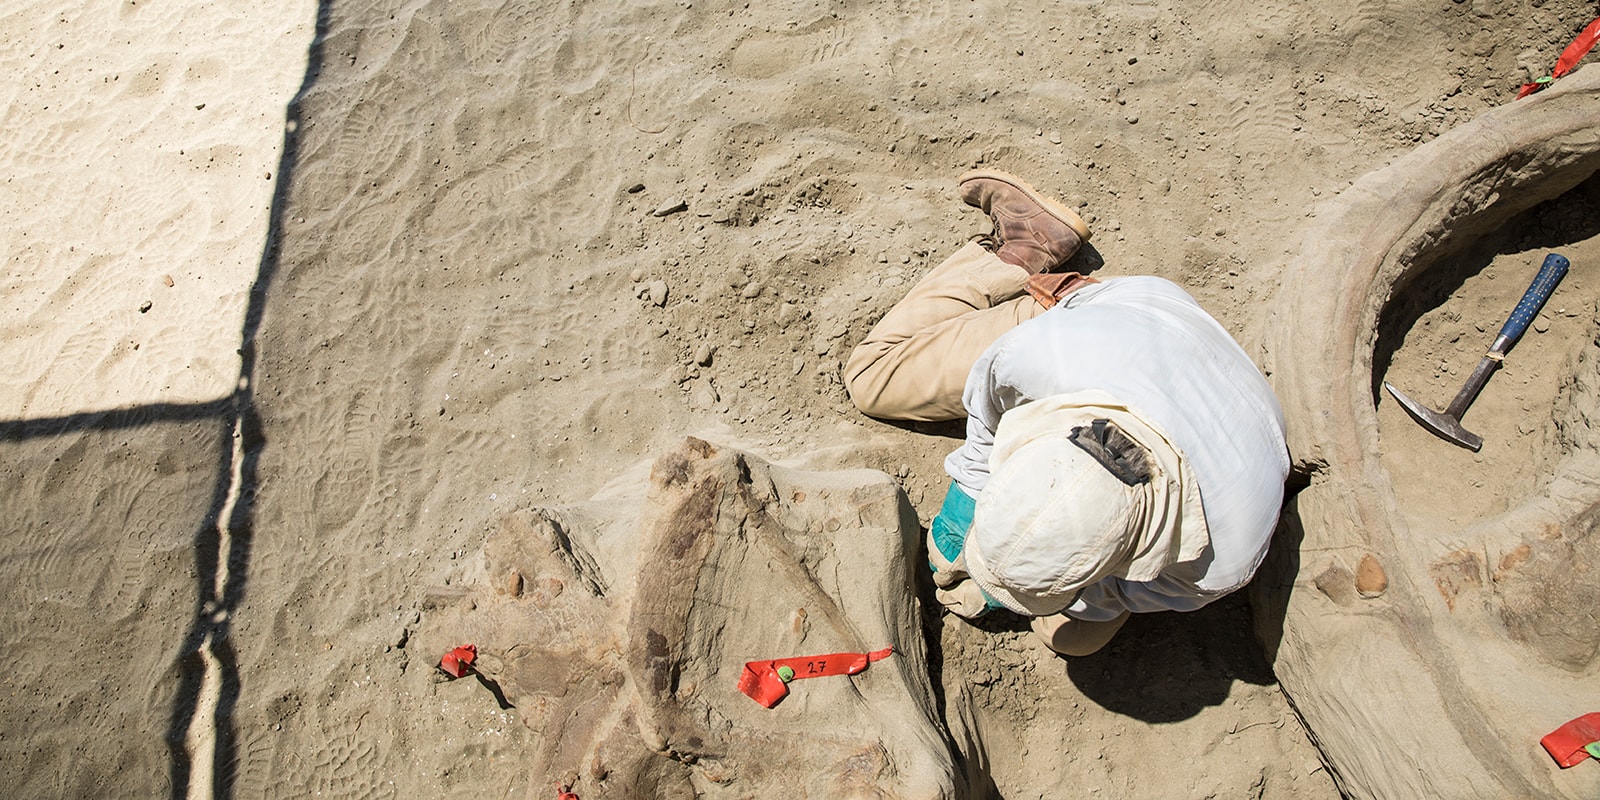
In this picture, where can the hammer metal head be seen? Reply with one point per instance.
(1441, 425)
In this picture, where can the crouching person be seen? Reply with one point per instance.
(1123, 454)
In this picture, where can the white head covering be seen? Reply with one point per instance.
(1053, 520)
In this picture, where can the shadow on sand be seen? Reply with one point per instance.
(222, 543)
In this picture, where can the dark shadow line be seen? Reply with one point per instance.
(17, 430)
(1274, 581)
(191, 665)
(215, 604)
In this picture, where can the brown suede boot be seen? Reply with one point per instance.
(1030, 230)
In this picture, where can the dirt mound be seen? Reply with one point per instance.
(629, 679)
(1477, 643)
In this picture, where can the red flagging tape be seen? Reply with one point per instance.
(764, 681)
(1565, 744)
(1570, 57)
(1579, 48)
(458, 662)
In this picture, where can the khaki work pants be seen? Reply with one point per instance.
(913, 365)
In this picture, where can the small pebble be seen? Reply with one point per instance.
(636, 188)
(1541, 324)
(658, 292)
(1371, 580)
(703, 395)
(167, 279)
(702, 356)
(669, 208)
(145, 306)
(1055, 137)
(1133, 119)
(637, 275)
(751, 291)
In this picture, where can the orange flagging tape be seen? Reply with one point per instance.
(458, 662)
(767, 682)
(1570, 57)
(1566, 743)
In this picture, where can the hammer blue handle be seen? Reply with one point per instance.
(1544, 284)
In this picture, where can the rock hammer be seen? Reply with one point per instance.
(1447, 424)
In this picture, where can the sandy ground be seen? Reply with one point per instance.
(140, 145)
(510, 253)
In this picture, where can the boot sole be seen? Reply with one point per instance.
(1053, 207)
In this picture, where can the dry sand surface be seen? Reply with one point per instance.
(257, 412)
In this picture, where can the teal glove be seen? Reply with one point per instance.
(949, 528)
(946, 538)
